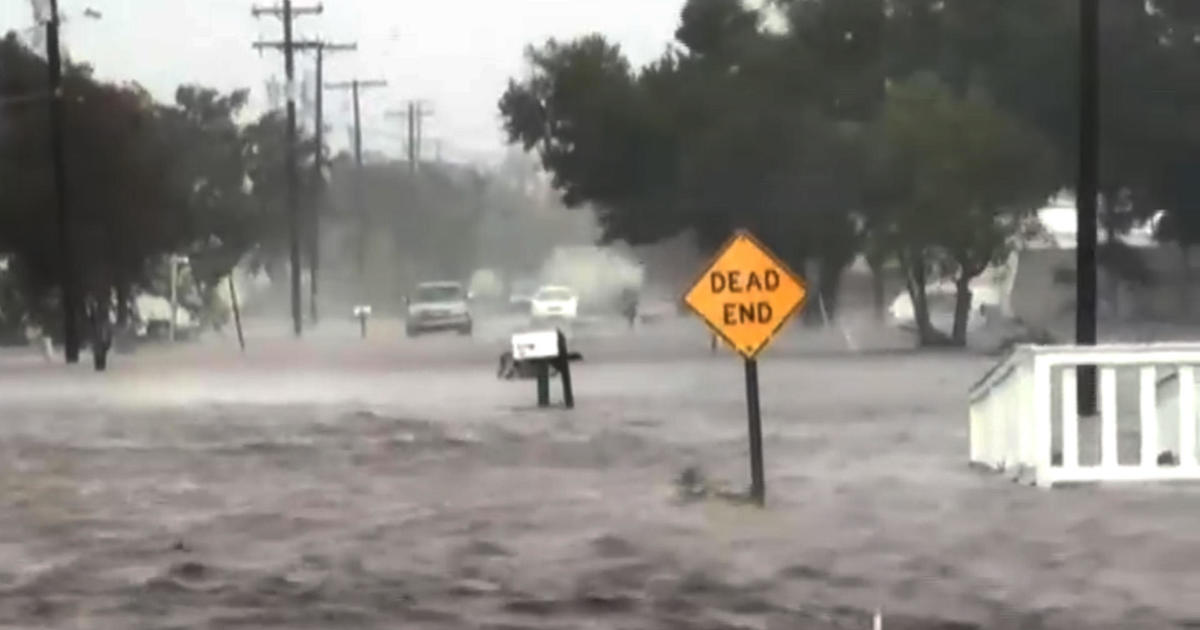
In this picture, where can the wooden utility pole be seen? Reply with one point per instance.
(314, 215)
(68, 274)
(1087, 195)
(286, 12)
(356, 86)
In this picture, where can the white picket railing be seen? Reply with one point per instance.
(1014, 427)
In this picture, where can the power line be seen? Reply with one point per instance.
(356, 86)
(314, 218)
(415, 113)
(285, 13)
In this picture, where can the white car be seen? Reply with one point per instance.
(554, 303)
(152, 316)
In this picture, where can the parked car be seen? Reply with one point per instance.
(152, 319)
(554, 303)
(656, 308)
(437, 306)
(520, 295)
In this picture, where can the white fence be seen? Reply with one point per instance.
(1025, 421)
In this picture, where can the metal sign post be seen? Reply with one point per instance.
(758, 483)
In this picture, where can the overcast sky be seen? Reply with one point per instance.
(457, 54)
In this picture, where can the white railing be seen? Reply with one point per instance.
(1017, 427)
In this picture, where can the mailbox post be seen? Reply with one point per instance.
(545, 350)
(362, 312)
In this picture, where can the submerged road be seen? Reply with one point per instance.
(332, 483)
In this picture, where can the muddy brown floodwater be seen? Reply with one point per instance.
(400, 485)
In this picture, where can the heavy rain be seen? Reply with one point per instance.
(264, 269)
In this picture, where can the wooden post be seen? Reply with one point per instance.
(564, 368)
(543, 383)
(237, 313)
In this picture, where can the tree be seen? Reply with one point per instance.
(145, 180)
(117, 181)
(723, 134)
(972, 176)
(791, 130)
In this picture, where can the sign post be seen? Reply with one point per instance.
(745, 296)
(758, 483)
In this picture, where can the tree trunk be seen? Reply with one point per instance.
(1114, 278)
(830, 282)
(811, 316)
(123, 299)
(913, 264)
(877, 288)
(962, 309)
(101, 330)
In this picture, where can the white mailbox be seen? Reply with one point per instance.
(362, 310)
(542, 344)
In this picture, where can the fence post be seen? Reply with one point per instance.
(1070, 419)
(1187, 416)
(1109, 457)
(1042, 400)
(1148, 415)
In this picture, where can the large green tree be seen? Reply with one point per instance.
(734, 129)
(144, 180)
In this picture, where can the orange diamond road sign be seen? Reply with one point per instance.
(746, 295)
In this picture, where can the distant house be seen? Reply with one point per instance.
(1036, 284)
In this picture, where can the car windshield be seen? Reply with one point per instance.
(554, 295)
(439, 293)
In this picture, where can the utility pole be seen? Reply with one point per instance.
(415, 113)
(68, 274)
(413, 151)
(286, 12)
(314, 218)
(356, 86)
(1087, 194)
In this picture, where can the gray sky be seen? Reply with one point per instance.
(457, 54)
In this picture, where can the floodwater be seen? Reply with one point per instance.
(396, 483)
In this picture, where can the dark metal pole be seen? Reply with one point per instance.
(314, 228)
(1087, 195)
(68, 280)
(293, 177)
(758, 487)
